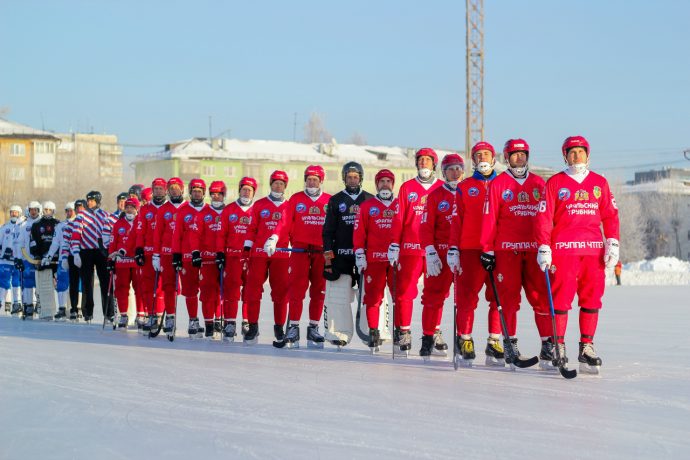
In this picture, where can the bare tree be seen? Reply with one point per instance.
(633, 224)
(315, 130)
(664, 216)
(358, 139)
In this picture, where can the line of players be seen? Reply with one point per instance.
(449, 231)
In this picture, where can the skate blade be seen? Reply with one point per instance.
(291, 344)
(495, 362)
(441, 353)
(464, 362)
(591, 370)
(228, 339)
(251, 342)
(427, 359)
(547, 365)
(314, 345)
(374, 350)
(401, 353)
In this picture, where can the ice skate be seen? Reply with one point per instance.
(374, 341)
(314, 339)
(466, 354)
(208, 330)
(252, 335)
(590, 363)
(404, 343)
(8, 307)
(291, 339)
(245, 328)
(73, 315)
(427, 347)
(140, 321)
(169, 324)
(122, 322)
(494, 353)
(560, 359)
(515, 359)
(194, 330)
(229, 332)
(546, 356)
(61, 315)
(440, 346)
(28, 311)
(16, 308)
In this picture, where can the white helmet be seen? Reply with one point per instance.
(35, 205)
(69, 205)
(49, 205)
(16, 208)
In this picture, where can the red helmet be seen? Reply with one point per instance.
(452, 159)
(176, 181)
(483, 146)
(218, 186)
(515, 145)
(279, 175)
(384, 173)
(250, 181)
(426, 152)
(197, 183)
(147, 194)
(315, 170)
(158, 182)
(575, 141)
(132, 202)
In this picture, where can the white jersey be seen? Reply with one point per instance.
(7, 244)
(59, 245)
(23, 239)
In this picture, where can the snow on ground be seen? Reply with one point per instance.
(74, 391)
(662, 271)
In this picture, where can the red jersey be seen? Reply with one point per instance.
(166, 219)
(184, 229)
(466, 226)
(234, 226)
(373, 225)
(510, 215)
(145, 227)
(205, 234)
(438, 214)
(308, 216)
(122, 233)
(571, 213)
(269, 218)
(411, 200)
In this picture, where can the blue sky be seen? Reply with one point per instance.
(394, 71)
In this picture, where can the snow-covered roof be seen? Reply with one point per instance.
(10, 128)
(666, 186)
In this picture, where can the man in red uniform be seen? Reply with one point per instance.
(406, 250)
(145, 227)
(268, 232)
(203, 244)
(232, 233)
(463, 257)
(125, 268)
(182, 253)
(162, 259)
(434, 233)
(577, 204)
(308, 213)
(508, 242)
(371, 238)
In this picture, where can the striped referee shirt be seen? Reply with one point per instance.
(88, 228)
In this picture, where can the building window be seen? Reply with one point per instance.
(44, 172)
(208, 171)
(230, 171)
(18, 150)
(17, 173)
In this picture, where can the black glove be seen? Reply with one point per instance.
(177, 261)
(110, 265)
(220, 259)
(488, 261)
(139, 256)
(19, 264)
(196, 259)
(330, 273)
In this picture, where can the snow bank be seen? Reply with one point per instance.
(662, 271)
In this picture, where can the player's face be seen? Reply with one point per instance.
(482, 156)
(454, 173)
(425, 162)
(14, 214)
(121, 204)
(517, 159)
(69, 213)
(217, 196)
(247, 192)
(313, 182)
(197, 194)
(33, 212)
(174, 191)
(48, 212)
(131, 210)
(352, 179)
(385, 183)
(158, 191)
(576, 155)
(278, 186)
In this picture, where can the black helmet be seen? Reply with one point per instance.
(136, 190)
(94, 195)
(122, 196)
(351, 166)
(81, 203)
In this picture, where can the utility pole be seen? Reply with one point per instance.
(294, 128)
(474, 60)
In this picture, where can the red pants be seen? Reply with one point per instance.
(470, 282)
(436, 290)
(515, 271)
(306, 268)
(124, 276)
(276, 270)
(411, 268)
(234, 277)
(209, 284)
(169, 281)
(376, 276)
(189, 279)
(584, 276)
(148, 278)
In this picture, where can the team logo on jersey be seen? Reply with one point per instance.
(507, 195)
(121, 231)
(232, 218)
(564, 194)
(374, 211)
(354, 209)
(277, 215)
(245, 220)
(613, 202)
(388, 213)
(423, 201)
(314, 210)
(536, 194)
(443, 206)
(265, 213)
(523, 197)
(301, 208)
(596, 192)
(368, 279)
(167, 216)
(342, 207)
(149, 215)
(473, 191)
(42, 229)
(188, 218)
(412, 197)
(500, 275)
(581, 195)
(208, 218)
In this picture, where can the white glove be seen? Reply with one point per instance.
(64, 263)
(270, 245)
(544, 257)
(393, 253)
(77, 260)
(46, 261)
(453, 260)
(361, 260)
(612, 253)
(114, 256)
(156, 262)
(433, 261)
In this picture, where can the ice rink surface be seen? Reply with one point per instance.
(73, 391)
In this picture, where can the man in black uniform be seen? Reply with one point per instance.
(42, 234)
(337, 247)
